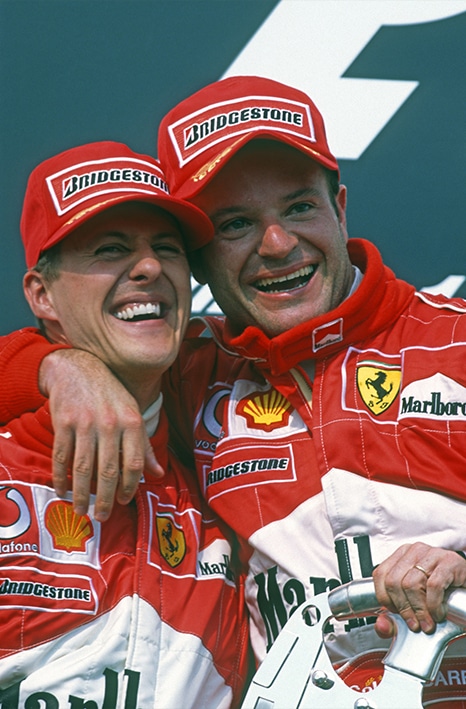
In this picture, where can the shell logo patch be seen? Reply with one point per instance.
(69, 531)
(265, 410)
(172, 541)
(378, 384)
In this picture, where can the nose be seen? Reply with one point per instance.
(276, 242)
(145, 266)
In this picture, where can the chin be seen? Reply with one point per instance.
(277, 326)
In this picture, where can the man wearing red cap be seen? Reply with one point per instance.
(351, 398)
(328, 411)
(128, 612)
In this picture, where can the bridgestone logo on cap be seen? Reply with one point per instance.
(203, 129)
(89, 180)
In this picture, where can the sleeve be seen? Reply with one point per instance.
(21, 354)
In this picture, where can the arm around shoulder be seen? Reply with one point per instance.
(21, 356)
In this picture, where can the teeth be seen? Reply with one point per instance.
(141, 309)
(264, 282)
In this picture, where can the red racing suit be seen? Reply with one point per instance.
(326, 447)
(329, 446)
(140, 612)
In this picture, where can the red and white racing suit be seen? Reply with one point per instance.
(328, 446)
(141, 611)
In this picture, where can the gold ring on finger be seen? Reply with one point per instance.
(421, 568)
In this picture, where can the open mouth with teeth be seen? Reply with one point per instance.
(282, 284)
(143, 311)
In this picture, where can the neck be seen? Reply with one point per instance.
(143, 384)
(145, 389)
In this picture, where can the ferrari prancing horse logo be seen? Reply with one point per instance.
(171, 541)
(378, 385)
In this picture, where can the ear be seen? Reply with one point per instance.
(341, 206)
(38, 296)
(197, 266)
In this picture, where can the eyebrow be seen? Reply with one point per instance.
(227, 211)
(304, 192)
(118, 234)
(239, 209)
(177, 233)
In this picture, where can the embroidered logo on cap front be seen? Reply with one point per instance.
(203, 129)
(265, 410)
(78, 183)
(378, 384)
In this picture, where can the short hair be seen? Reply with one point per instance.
(49, 263)
(333, 184)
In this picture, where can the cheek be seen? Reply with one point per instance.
(224, 262)
(180, 280)
(78, 305)
(184, 302)
(63, 299)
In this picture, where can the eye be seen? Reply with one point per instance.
(301, 208)
(168, 249)
(234, 228)
(111, 249)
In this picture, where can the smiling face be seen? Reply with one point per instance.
(279, 254)
(123, 293)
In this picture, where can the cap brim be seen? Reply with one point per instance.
(191, 187)
(196, 227)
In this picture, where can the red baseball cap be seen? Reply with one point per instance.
(199, 135)
(66, 190)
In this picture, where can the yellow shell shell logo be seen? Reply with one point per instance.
(69, 531)
(265, 410)
(171, 541)
(378, 385)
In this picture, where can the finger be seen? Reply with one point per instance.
(411, 615)
(133, 455)
(441, 569)
(415, 583)
(387, 578)
(384, 626)
(392, 579)
(437, 584)
(62, 454)
(108, 473)
(82, 471)
(421, 592)
(449, 571)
